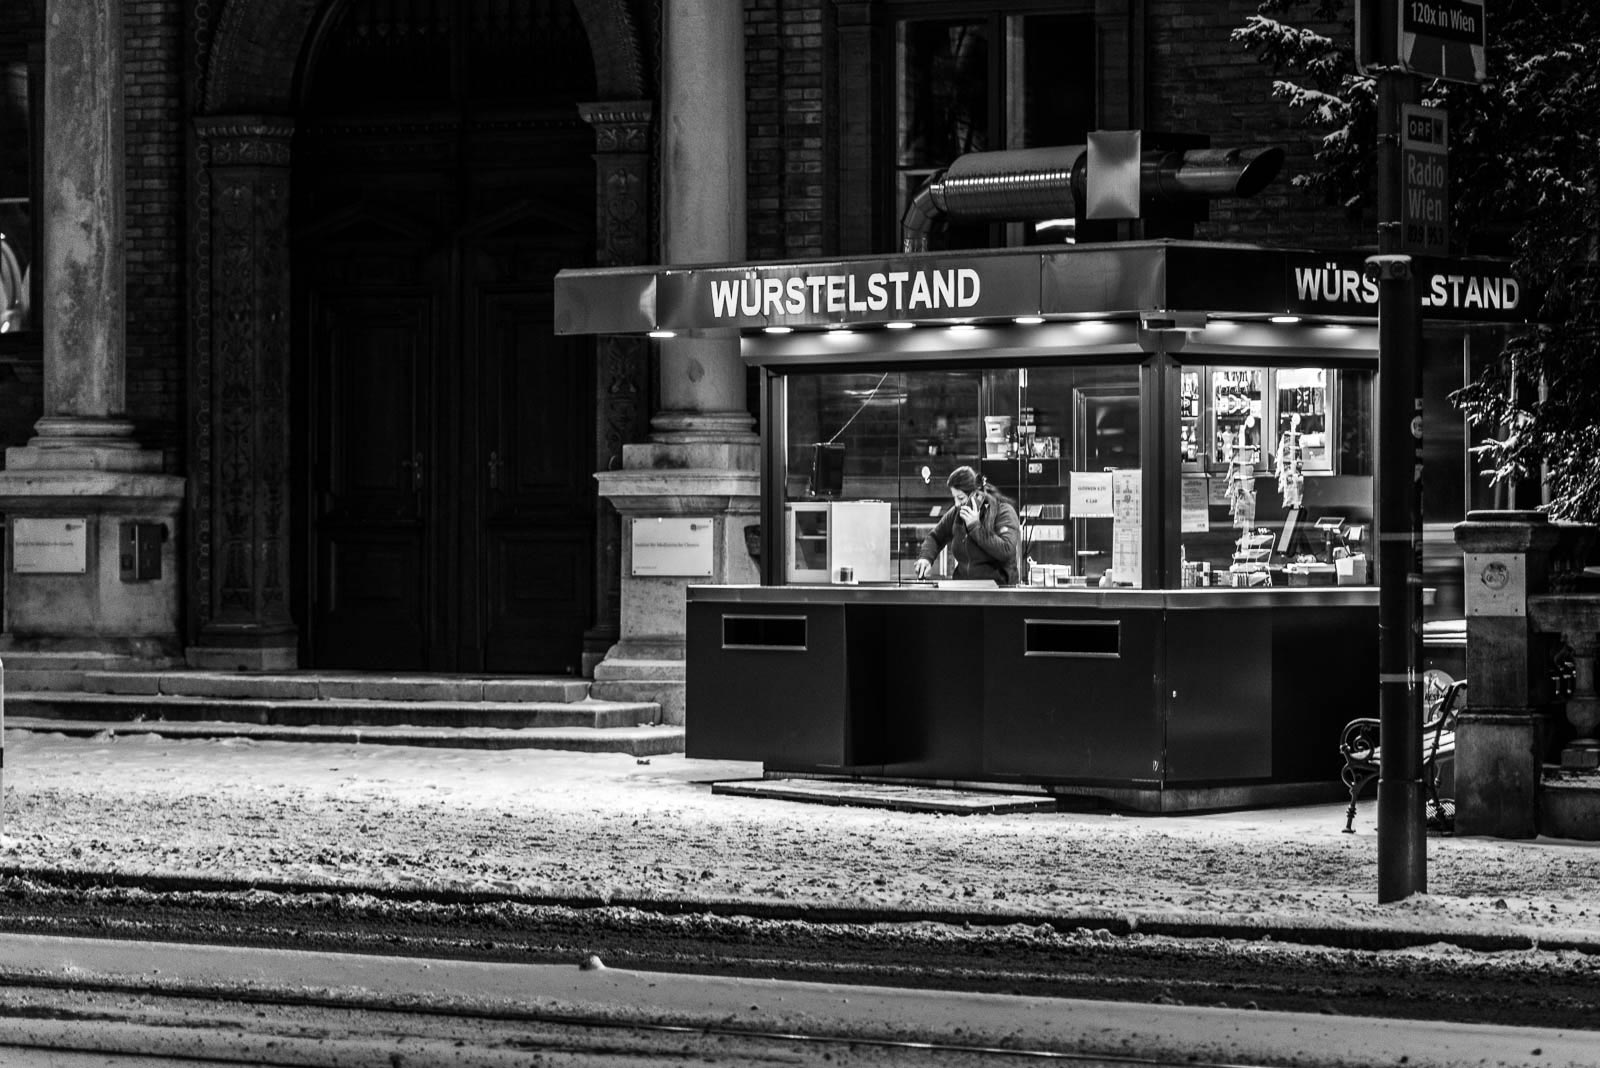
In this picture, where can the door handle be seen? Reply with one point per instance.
(415, 466)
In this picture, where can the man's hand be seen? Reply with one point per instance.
(922, 567)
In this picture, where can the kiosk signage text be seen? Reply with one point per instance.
(1457, 290)
(861, 291)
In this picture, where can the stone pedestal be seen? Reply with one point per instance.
(1576, 618)
(1500, 738)
(1497, 773)
(718, 481)
(68, 609)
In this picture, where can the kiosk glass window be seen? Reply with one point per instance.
(1282, 492)
(867, 456)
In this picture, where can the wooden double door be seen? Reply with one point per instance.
(448, 432)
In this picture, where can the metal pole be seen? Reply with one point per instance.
(2, 750)
(1402, 826)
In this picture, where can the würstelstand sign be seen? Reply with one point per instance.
(995, 286)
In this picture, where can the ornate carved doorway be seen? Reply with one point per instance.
(442, 176)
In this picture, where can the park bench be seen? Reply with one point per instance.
(1362, 749)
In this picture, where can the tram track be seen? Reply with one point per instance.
(1538, 987)
(305, 1030)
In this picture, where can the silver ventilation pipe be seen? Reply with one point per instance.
(1007, 186)
(1031, 184)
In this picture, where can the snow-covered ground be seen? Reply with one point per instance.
(612, 827)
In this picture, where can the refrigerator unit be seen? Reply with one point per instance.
(825, 536)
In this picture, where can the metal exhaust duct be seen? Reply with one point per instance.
(1031, 184)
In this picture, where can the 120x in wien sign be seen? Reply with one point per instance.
(1443, 39)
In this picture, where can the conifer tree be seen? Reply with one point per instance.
(1524, 182)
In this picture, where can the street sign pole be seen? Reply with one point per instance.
(1396, 39)
(1402, 827)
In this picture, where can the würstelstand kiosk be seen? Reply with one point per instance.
(1188, 432)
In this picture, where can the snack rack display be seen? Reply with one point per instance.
(1251, 554)
(1190, 426)
(1237, 411)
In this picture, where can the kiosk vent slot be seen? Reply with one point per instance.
(1071, 637)
(764, 632)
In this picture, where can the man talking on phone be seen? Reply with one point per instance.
(981, 529)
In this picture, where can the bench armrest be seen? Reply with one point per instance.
(1359, 740)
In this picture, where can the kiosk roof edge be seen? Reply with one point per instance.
(999, 285)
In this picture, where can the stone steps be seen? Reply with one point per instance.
(466, 711)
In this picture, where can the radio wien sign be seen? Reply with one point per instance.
(1424, 181)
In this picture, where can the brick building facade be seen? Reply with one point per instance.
(205, 345)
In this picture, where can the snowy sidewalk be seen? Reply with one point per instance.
(611, 827)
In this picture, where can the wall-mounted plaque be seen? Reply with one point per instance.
(673, 547)
(1496, 584)
(49, 546)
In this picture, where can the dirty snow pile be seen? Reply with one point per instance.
(612, 828)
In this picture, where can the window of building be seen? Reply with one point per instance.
(1003, 78)
(19, 169)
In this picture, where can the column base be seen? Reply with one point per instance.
(684, 427)
(649, 669)
(718, 481)
(1581, 755)
(92, 560)
(597, 641)
(244, 647)
(221, 658)
(1498, 770)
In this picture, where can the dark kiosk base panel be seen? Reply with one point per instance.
(1116, 695)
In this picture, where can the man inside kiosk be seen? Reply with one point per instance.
(981, 529)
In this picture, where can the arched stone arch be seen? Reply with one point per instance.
(248, 70)
(248, 56)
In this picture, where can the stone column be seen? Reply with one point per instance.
(703, 459)
(703, 184)
(240, 399)
(1500, 737)
(82, 497)
(622, 384)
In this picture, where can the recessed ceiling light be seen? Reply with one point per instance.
(778, 329)
(1284, 319)
(663, 334)
(1028, 320)
(900, 324)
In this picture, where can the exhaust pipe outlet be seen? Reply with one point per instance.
(1205, 173)
(1032, 184)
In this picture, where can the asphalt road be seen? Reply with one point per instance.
(1430, 982)
(206, 1004)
